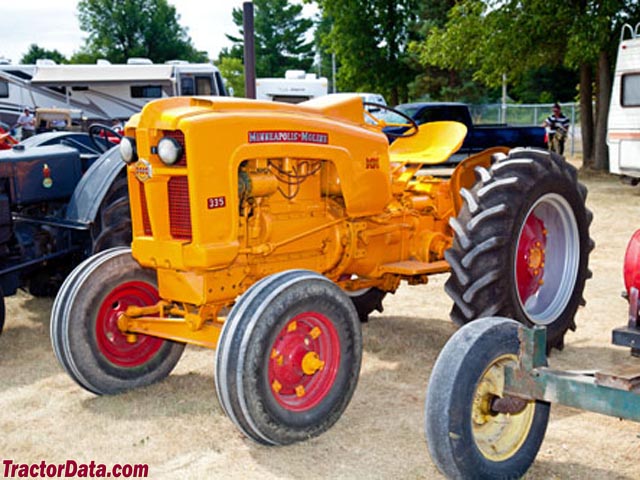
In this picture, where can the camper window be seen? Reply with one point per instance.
(4, 89)
(204, 85)
(187, 86)
(290, 98)
(60, 90)
(631, 90)
(146, 91)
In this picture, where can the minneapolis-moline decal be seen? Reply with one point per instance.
(288, 136)
(372, 163)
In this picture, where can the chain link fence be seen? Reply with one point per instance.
(530, 114)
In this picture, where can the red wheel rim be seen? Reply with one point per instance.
(304, 361)
(112, 343)
(532, 246)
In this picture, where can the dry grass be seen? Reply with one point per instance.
(178, 428)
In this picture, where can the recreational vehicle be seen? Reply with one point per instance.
(296, 86)
(623, 129)
(102, 91)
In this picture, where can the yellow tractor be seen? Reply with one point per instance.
(269, 231)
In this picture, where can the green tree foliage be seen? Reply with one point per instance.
(369, 39)
(232, 70)
(514, 37)
(36, 52)
(123, 29)
(279, 38)
(546, 85)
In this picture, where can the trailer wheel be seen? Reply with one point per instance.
(366, 301)
(467, 436)
(288, 358)
(521, 244)
(84, 331)
(113, 225)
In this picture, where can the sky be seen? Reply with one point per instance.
(52, 24)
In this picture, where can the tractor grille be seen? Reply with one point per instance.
(179, 136)
(146, 223)
(179, 210)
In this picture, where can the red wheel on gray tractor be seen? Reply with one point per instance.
(288, 358)
(521, 244)
(84, 326)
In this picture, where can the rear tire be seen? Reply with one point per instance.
(526, 209)
(84, 331)
(466, 437)
(367, 301)
(288, 358)
(113, 225)
(2, 310)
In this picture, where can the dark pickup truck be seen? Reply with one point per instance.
(479, 137)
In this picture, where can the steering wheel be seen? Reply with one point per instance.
(411, 123)
(103, 137)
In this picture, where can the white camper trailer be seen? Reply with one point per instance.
(102, 91)
(623, 129)
(296, 86)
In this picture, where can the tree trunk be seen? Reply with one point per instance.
(394, 96)
(586, 114)
(602, 112)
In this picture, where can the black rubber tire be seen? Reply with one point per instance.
(74, 331)
(113, 225)
(367, 301)
(62, 297)
(486, 232)
(244, 351)
(449, 421)
(2, 310)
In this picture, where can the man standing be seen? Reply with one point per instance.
(27, 122)
(558, 126)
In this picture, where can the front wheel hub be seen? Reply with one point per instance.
(118, 347)
(303, 361)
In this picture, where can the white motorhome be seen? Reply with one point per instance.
(623, 128)
(296, 86)
(102, 91)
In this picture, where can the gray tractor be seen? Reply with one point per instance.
(63, 197)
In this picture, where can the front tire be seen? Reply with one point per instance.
(466, 436)
(84, 331)
(288, 358)
(521, 244)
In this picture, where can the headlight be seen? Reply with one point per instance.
(169, 150)
(128, 149)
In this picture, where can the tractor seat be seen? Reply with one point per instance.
(434, 143)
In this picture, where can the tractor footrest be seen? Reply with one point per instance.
(412, 267)
(626, 337)
(621, 377)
